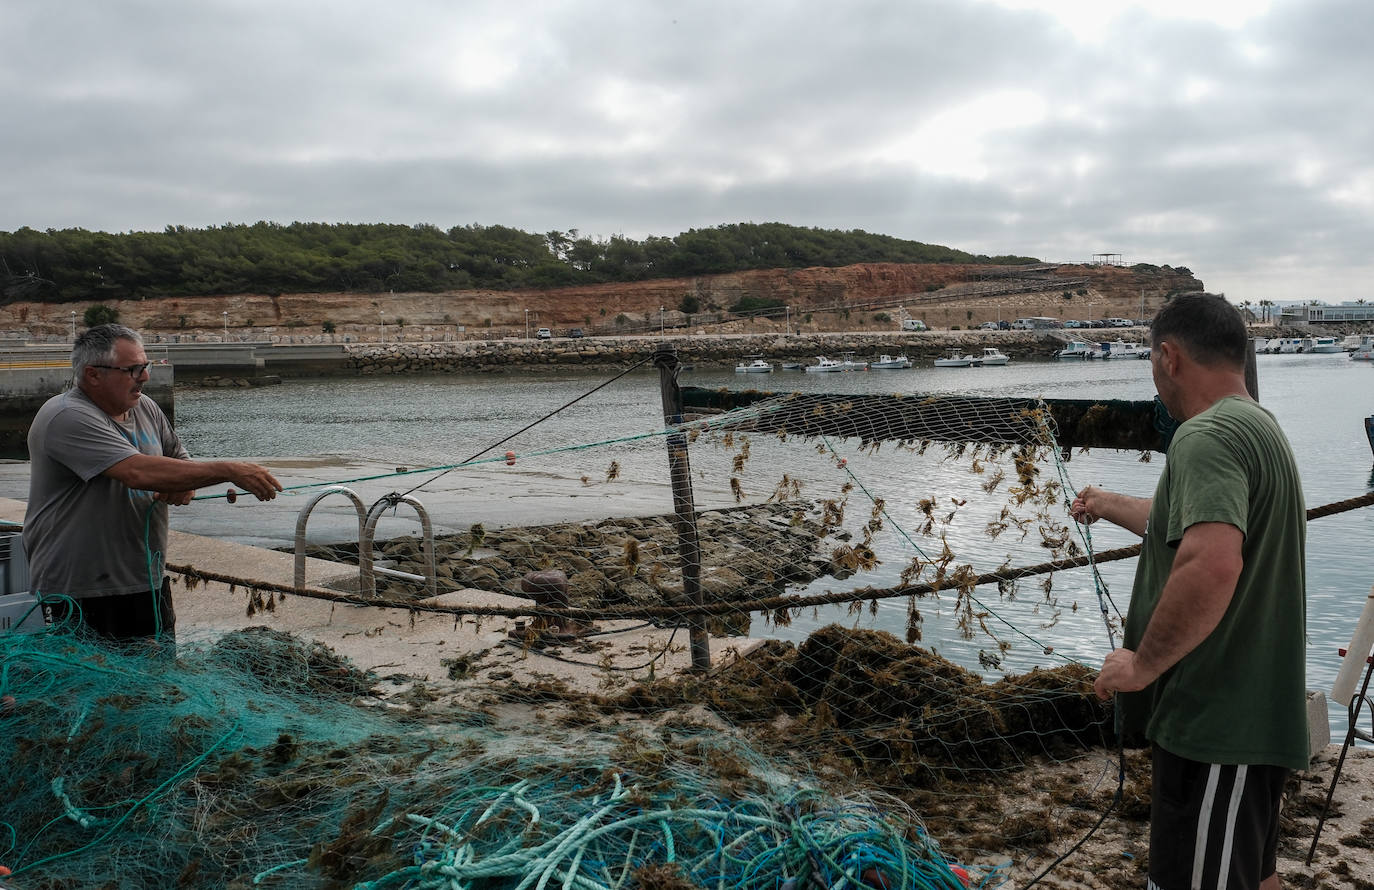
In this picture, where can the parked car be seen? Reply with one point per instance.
(989, 326)
(544, 334)
(575, 333)
(1074, 323)
(913, 324)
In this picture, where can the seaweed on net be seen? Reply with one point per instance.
(245, 763)
(900, 714)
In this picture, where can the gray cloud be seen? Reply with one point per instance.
(1242, 151)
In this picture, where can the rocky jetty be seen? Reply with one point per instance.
(746, 553)
(701, 349)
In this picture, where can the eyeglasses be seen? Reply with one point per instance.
(134, 371)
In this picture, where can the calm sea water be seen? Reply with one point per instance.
(436, 421)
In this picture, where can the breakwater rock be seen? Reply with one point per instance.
(746, 553)
(506, 355)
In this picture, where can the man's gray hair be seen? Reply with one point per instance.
(96, 346)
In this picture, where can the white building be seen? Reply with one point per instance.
(1326, 313)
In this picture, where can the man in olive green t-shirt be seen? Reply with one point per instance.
(1212, 665)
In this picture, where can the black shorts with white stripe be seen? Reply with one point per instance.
(1213, 826)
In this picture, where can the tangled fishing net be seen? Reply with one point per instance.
(260, 760)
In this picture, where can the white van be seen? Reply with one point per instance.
(913, 324)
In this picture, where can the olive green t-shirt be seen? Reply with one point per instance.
(1239, 697)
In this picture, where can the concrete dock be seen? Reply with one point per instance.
(461, 656)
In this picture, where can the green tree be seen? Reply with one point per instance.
(99, 314)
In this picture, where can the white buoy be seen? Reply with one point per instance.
(1352, 668)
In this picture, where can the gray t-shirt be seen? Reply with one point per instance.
(87, 534)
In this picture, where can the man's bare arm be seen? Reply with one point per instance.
(171, 475)
(1201, 585)
(1093, 503)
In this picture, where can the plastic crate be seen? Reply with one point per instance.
(20, 612)
(14, 566)
(18, 609)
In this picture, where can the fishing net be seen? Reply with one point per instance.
(260, 760)
(885, 565)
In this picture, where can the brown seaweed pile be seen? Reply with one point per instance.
(898, 714)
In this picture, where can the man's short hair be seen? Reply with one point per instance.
(1206, 325)
(96, 346)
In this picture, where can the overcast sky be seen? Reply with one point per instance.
(1235, 137)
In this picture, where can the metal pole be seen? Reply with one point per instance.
(684, 512)
(1251, 372)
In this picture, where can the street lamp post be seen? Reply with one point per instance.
(226, 326)
(660, 321)
(73, 327)
(381, 321)
(527, 324)
(1090, 315)
(788, 327)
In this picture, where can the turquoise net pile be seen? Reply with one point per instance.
(261, 760)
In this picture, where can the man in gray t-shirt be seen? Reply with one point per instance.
(104, 464)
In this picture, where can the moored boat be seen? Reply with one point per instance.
(847, 363)
(753, 364)
(1077, 349)
(1123, 349)
(955, 359)
(1319, 345)
(825, 366)
(887, 362)
(992, 357)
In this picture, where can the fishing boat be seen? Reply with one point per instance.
(1319, 345)
(753, 364)
(1123, 349)
(992, 357)
(791, 366)
(1356, 342)
(1287, 346)
(825, 366)
(847, 363)
(1078, 349)
(1365, 354)
(955, 359)
(887, 362)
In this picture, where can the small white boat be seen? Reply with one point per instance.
(887, 362)
(1320, 345)
(1363, 354)
(955, 359)
(847, 363)
(1290, 345)
(825, 366)
(791, 366)
(992, 357)
(1260, 343)
(1123, 349)
(1356, 342)
(753, 365)
(1078, 349)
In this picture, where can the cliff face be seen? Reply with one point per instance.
(943, 295)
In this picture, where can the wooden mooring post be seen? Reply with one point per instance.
(684, 510)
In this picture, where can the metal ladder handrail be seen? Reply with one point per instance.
(367, 578)
(303, 517)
